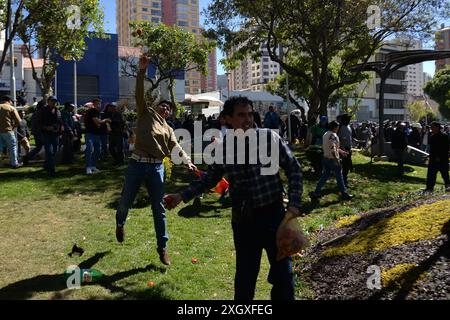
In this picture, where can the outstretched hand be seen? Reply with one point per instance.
(172, 200)
(191, 167)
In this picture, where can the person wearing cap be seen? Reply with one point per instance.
(345, 139)
(438, 162)
(318, 130)
(51, 126)
(155, 140)
(9, 121)
(399, 144)
(331, 162)
(68, 133)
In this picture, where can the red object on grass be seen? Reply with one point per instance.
(194, 260)
(168, 200)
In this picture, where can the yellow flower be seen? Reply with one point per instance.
(167, 167)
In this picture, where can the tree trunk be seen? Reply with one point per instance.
(313, 110)
(172, 96)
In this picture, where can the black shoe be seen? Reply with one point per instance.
(25, 160)
(347, 196)
(164, 256)
(120, 234)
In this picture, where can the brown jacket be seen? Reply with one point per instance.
(154, 137)
(9, 118)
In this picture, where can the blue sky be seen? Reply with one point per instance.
(110, 27)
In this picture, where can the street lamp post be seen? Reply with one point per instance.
(11, 48)
(75, 93)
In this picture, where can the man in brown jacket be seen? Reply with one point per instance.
(155, 140)
(9, 120)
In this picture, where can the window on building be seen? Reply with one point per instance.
(265, 73)
(265, 59)
(155, 20)
(156, 12)
(144, 9)
(265, 66)
(183, 23)
(156, 5)
(182, 1)
(182, 16)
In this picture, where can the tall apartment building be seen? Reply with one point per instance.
(442, 43)
(183, 13)
(414, 76)
(395, 97)
(253, 75)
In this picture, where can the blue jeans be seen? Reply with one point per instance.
(51, 146)
(250, 238)
(92, 143)
(9, 139)
(152, 175)
(330, 166)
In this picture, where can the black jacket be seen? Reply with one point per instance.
(399, 139)
(439, 147)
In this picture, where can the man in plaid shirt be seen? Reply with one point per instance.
(257, 201)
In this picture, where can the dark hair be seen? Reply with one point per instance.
(436, 124)
(68, 104)
(231, 103)
(169, 103)
(96, 100)
(6, 99)
(257, 119)
(333, 125)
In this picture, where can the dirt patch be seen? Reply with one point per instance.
(346, 276)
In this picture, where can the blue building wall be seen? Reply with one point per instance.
(100, 61)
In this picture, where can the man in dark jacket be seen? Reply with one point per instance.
(68, 132)
(36, 131)
(116, 134)
(50, 123)
(399, 145)
(439, 148)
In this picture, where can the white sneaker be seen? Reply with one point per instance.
(95, 170)
(89, 170)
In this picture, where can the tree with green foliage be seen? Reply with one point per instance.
(418, 111)
(317, 40)
(439, 90)
(55, 31)
(20, 18)
(171, 51)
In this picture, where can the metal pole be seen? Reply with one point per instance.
(381, 116)
(13, 71)
(56, 83)
(75, 93)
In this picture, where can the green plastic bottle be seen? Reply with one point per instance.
(90, 275)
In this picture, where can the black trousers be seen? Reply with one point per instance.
(252, 236)
(67, 143)
(116, 148)
(433, 169)
(347, 166)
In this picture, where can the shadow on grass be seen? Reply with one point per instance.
(385, 173)
(27, 288)
(409, 278)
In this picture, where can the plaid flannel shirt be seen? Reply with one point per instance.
(246, 181)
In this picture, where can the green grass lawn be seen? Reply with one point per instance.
(43, 218)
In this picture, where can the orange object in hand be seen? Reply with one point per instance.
(222, 186)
